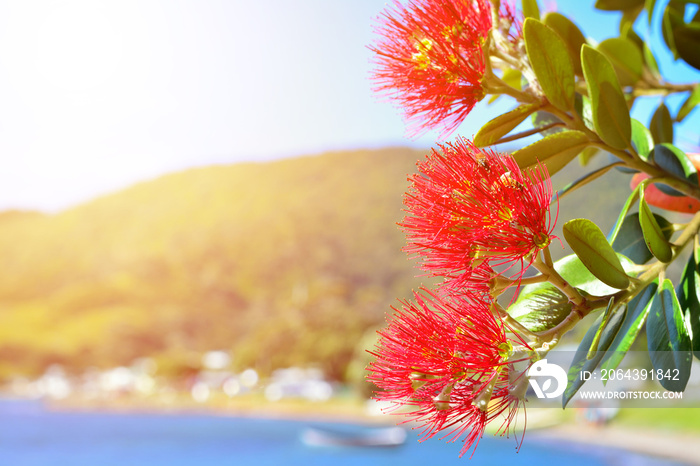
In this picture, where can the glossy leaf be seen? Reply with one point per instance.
(550, 60)
(653, 235)
(689, 104)
(671, 20)
(650, 61)
(503, 124)
(536, 314)
(636, 316)
(530, 9)
(585, 179)
(577, 275)
(642, 140)
(571, 34)
(676, 163)
(626, 58)
(617, 5)
(555, 151)
(688, 292)
(607, 315)
(630, 239)
(581, 362)
(667, 338)
(587, 155)
(513, 78)
(542, 118)
(610, 113)
(625, 208)
(590, 245)
(661, 126)
(687, 40)
(540, 307)
(629, 17)
(649, 6)
(582, 105)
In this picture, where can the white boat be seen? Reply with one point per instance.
(376, 437)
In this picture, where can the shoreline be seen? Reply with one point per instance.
(544, 425)
(675, 446)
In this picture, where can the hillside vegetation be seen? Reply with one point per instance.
(282, 263)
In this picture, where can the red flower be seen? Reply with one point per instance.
(447, 360)
(469, 207)
(430, 58)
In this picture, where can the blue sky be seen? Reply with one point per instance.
(97, 95)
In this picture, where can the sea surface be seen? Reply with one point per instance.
(32, 435)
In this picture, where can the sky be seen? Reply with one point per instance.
(98, 95)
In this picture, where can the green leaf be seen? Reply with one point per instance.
(540, 307)
(653, 235)
(626, 58)
(582, 105)
(667, 338)
(550, 306)
(642, 140)
(503, 124)
(542, 118)
(555, 151)
(581, 362)
(687, 40)
(593, 350)
(688, 292)
(530, 9)
(671, 20)
(625, 208)
(610, 113)
(513, 78)
(676, 163)
(590, 245)
(649, 6)
(549, 58)
(577, 275)
(661, 125)
(650, 61)
(690, 103)
(571, 34)
(585, 179)
(587, 155)
(617, 5)
(629, 17)
(630, 239)
(637, 312)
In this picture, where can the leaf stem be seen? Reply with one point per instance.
(527, 133)
(557, 280)
(584, 180)
(511, 322)
(551, 337)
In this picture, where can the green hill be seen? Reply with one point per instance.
(283, 263)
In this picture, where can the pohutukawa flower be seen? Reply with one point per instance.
(469, 207)
(430, 58)
(449, 361)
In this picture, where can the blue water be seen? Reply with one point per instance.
(30, 435)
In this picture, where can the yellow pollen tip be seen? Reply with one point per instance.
(505, 214)
(505, 349)
(542, 240)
